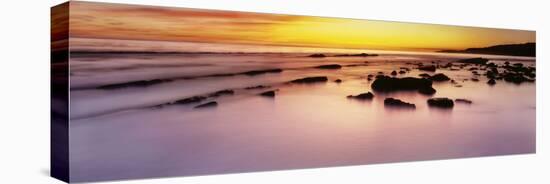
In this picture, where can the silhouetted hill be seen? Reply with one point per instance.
(526, 49)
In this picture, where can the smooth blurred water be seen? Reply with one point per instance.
(115, 134)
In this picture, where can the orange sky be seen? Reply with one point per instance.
(132, 22)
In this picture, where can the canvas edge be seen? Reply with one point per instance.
(59, 92)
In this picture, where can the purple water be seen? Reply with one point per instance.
(116, 134)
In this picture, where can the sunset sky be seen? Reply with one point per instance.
(148, 23)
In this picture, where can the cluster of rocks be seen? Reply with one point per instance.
(514, 73)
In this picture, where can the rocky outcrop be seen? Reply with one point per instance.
(207, 105)
(309, 80)
(259, 72)
(222, 93)
(330, 67)
(257, 87)
(362, 96)
(392, 102)
(478, 61)
(391, 84)
(141, 83)
(462, 100)
(441, 102)
(439, 77)
(491, 82)
(317, 55)
(194, 99)
(430, 68)
(268, 94)
(356, 55)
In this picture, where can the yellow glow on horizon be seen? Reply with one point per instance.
(350, 33)
(133, 22)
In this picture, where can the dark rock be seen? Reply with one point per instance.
(309, 80)
(206, 105)
(440, 102)
(355, 55)
(189, 100)
(392, 102)
(491, 74)
(439, 77)
(142, 83)
(257, 87)
(491, 82)
(430, 68)
(222, 92)
(332, 66)
(427, 90)
(259, 72)
(516, 78)
(531, 75)
(402, 72)
(394, 73)
(390, 84)
(362, 96)
(317, 55)
(268, 94)
(217, 75)
(522, 49)
(475, 79)
(338, 80)
(462, 100)
(479, 61)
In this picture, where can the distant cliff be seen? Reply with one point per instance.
(526, 49)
